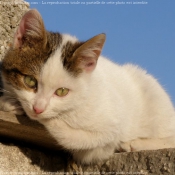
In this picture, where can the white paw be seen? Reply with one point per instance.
(134, 145)
(137, 145)
(9, 104)
(125, 146)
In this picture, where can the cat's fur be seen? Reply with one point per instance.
(108, 106)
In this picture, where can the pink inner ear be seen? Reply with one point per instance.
(19, 35)
(21, 28)
(90, 67)
(31, 25)
(89, 63)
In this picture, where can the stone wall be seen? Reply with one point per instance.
(18, 156)
(10, 14)
(24, 159)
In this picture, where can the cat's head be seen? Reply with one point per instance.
(49, 72)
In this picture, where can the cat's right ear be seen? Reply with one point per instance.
(31, 28)
(87, 54)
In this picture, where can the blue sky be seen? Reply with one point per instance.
(139, 34)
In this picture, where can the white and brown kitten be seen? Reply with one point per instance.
(90, 105)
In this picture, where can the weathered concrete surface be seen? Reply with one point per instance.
(23, 160)
(17, 159)
(10, 15)
(24, 156)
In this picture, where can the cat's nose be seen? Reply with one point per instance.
(37, 110)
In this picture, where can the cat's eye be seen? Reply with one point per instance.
(61, 92)
(30, 81)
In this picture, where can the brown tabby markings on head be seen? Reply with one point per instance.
(70, 62)
(28, 60)
(33, 45)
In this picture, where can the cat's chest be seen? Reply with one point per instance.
(90, 120)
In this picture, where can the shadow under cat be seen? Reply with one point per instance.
(48, 158)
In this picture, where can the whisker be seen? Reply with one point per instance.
(4, 90)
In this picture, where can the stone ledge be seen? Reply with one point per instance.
(15, 159)
(22, 159)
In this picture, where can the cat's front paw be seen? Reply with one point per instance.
(140, 144)
(125, 146)
(9, 104)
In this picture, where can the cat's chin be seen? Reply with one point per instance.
(37, 117)
(33, 116)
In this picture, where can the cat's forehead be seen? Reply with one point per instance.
(63, 51)
(54, 71)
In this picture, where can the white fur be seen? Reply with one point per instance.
(114, 107)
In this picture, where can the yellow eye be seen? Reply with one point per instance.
(61, 92)
(30, 81)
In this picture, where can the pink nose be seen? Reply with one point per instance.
(37, 110)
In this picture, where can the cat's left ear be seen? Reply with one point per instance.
(31, 29)
(87, 54)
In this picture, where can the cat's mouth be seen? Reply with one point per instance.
(33, 115)
(39, 117)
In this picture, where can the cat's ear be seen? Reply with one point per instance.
(31, 28)
(87, 54)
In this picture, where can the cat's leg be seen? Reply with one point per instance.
(152, 144)
(10, 104)
(77, 138)
(93, 155)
